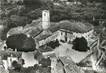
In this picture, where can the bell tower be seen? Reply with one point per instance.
(45, 20)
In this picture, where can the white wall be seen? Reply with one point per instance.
(45, 19)
(53, 65)
(29, 59)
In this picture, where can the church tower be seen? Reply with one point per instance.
(45, 20)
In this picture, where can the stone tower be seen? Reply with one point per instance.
(45, 20)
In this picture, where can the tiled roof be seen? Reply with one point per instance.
(42, 36)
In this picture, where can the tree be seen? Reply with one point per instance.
(80, 44)
(17, 67)
(21, 42)
(35, 14)
(32, 4)
(18, 20)
(3, 32)
(45, 62)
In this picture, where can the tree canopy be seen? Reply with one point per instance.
(32, 3)
(21, 42)
(80, 44)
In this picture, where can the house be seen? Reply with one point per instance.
(8, 57)
(10, 60)
(29, 59)
(2, 66)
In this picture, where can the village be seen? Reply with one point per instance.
(63, 36)
(44, 46)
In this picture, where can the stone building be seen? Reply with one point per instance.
(66, 36)
(66, 31)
